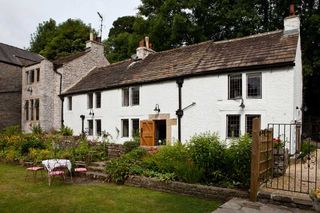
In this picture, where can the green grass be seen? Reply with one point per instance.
(18, 195)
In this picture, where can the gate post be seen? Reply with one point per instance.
(255, 159)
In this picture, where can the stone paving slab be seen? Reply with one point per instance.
(238, 205)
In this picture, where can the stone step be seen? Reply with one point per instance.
(96, 168)
(98, 175)
(100, 163)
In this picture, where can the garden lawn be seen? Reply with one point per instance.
(18, 195)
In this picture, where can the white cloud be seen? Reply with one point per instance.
(20, 18)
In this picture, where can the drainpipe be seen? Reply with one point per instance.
(61, 97)
(179, 112)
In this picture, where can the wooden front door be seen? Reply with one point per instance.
(147, 133)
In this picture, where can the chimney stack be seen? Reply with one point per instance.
(292, 22)
(144, 48)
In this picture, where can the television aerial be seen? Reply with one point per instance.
(101, 22)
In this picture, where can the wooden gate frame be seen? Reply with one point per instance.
(261, 156)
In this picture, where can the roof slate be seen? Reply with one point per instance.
(261, 50)
(60, 61)
(17, 56)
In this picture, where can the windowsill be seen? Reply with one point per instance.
(238, 98)
(254, 97)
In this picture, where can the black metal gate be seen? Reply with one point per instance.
(294, 162)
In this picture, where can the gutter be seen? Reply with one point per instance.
(61, 97)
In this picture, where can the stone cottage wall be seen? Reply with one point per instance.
(10, 95)
(75, 70)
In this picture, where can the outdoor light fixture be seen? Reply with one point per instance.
(156, 108)
(242, 104)
(91, 113)
(29, 89)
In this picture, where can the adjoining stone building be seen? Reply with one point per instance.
(43, 82)
(12, 59)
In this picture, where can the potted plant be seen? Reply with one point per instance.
(315, 197)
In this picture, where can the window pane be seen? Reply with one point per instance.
(38, 74)
(135, 95)
(125, 128)
(37, 105)
(235, 86)
(98, 127)
(90, 127)
(27, 78)
(31, 109)
(31, 76)
(233, 125)
(26, 108)
(90, 100)
(135, 127)
(249, 120)
(98, 99)
(125, 97)
(254, 85)
(70, 103)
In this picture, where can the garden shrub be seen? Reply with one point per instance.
(238, 161)
(11, 130)
(158, 175)
(208, 153)
(31, 142)
(307, 147)
(165, 159)
(175, 160)
(66, 131)
(130, 145)
(37, 130)
(120, 168)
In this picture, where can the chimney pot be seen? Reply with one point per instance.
(141, 43)
(147, 41)
(91, 36)
(292, 12)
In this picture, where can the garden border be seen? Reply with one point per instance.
(197, 190)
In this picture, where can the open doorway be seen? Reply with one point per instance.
(160, 132)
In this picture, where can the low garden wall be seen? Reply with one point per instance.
(197, 190)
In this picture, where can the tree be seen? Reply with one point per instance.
(124, 37)
(44, 34)
(53, 41)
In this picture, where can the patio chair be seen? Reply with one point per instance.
(80, 170)
(34, 169)
(57, 170)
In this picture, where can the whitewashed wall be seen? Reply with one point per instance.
(208, 114)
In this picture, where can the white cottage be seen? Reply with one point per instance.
(211, 86)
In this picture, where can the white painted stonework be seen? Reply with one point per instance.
(281, 95)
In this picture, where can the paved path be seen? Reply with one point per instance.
(237, 205)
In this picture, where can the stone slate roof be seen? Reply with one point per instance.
(60, 61)
(252, 52)
(17, 56)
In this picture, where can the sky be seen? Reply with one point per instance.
(20, 18)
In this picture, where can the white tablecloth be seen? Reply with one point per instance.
(52, 163)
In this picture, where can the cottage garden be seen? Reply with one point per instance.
(204, 159)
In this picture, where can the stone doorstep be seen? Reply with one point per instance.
(98, 163)
(303, 202)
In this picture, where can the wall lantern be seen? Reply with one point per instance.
(156, 108)
(91, 113)
(242, 104)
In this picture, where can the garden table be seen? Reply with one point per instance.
(50, 164)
